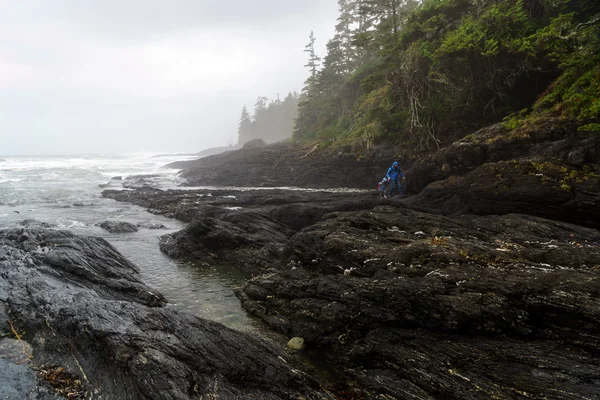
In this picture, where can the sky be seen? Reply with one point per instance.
(122, 76)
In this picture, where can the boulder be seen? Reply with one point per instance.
(118, 227)
(151, 226)
(248, 239)
(296, 344)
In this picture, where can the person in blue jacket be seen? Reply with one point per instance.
(394, 174)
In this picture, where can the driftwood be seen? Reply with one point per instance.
(310, 152)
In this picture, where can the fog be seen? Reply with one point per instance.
(120, 76)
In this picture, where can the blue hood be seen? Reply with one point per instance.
(394, 172)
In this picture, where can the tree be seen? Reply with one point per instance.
(343, 35)
(245, 127)
(313, 60)
(272, 121)
(308, 104)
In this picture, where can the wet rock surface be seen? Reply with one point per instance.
(284, 165)
(92, 322)
(250, 229)
(545, 189)
(118, 227)
(408, 304)
(484, 284)
(415, 305)
(551, 171)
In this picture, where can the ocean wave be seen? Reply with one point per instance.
(68, 223)
(134, 163)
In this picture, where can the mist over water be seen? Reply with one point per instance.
(65, 193)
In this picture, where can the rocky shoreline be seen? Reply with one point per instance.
(408, 304)
(286, 165)
(97, 331)
(483, 283)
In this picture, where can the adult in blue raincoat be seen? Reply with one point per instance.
(394, 174)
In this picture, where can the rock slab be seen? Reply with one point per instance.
(84, 309)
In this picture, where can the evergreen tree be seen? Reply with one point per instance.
(422, 71)
(343, 34)
(245, 127)
(308, 105)
(272, 121)
(313, 60)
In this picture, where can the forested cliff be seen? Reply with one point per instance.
(424, 74)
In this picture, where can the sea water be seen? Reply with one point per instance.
(65, 192)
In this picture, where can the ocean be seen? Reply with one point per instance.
(65, 192)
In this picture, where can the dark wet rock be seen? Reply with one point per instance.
(544, 189)
(284, 165)
(245, 228)
(118, 227)
(18, 382)
(181, 205)
(247, 238)
(295, 209)
(552, 171)
(416, 305)
(87, 314)
(4, 328)
(117, 178)
(553, 141)
(151, 226)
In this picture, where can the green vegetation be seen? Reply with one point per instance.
(564, 177)
(427, 73)
(590, 128)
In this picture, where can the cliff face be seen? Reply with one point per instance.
(551, 170)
